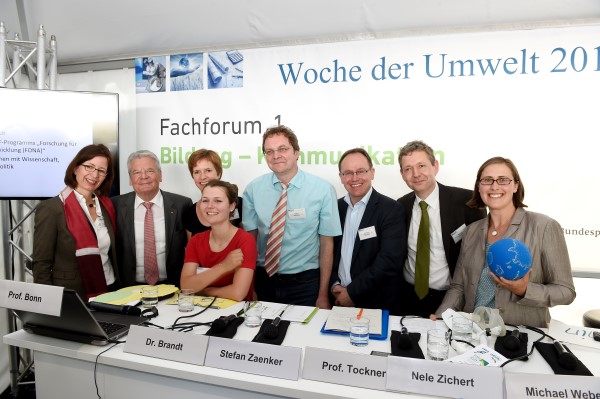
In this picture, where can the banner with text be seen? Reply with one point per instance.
(525, 95)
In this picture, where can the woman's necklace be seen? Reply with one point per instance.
(495, 230)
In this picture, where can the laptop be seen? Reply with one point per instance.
(77, 323)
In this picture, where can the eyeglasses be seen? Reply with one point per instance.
(359, 173)
(280, 150)
(92, 169)
(488, 181)
(137, 173)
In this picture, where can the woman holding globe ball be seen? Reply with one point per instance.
(525, 299)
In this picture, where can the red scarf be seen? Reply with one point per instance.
(86, 243)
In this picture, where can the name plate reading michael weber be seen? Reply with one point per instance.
(167, 344)
(254, 358)
(444, 378)
(345, 368)
(520, 385)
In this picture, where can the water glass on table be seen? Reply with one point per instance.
(359, 331)
(185, 300)
(438, 343)
(149, 296)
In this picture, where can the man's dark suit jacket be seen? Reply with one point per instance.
(453, 214)
(377, 262)
(176, 237)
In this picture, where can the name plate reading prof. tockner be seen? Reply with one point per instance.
(167, 344)
(37, 298)
(519, 385)
(444, 378)
(254, 358)
(345, 368)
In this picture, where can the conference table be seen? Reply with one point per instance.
(66, 369)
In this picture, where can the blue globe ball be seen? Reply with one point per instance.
(509, 258)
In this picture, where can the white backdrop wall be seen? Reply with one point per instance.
(526, 95)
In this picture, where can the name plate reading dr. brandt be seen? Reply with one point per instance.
(345, 368)
(37, 298)
(520, 385)
(444, 378)
(254, 358)
(167, 344)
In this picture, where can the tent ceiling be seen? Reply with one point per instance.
(107, 30)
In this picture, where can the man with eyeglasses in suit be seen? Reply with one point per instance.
(294, 217)
(367, 263)
(165, 211)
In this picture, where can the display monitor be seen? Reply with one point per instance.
(42, 130)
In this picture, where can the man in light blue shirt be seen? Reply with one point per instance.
(302, 269)
(368, 258)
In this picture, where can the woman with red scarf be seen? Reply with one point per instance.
(74, 236)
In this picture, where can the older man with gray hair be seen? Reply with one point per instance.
(151, 238)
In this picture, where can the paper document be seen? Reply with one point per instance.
(339, 319)
(294, 313)
(481, 355)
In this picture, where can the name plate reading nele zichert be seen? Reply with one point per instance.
(254, 358)
(178, 346)
(444, 378)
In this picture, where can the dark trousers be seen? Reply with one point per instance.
(295, 289)
(411, 305)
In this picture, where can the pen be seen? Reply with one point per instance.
(359, 315)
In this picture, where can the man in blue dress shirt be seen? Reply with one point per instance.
(303, 261)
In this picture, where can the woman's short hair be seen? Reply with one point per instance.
(210, 156)
(477, 202)
(85, 154)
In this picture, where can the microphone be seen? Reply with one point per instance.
(272, 329)
(404, 341)
(566, 359)
(512, 342)
(108, 308)
(219, 325)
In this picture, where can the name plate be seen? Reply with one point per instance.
(444, 378)
(38, 298)
(167, 344)
(254, 358)
(551, 386)
(345, 368)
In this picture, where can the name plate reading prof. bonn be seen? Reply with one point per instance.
(345, 368)
(519, 385)
(37, 298)
(254, 358)
(167, 344)
(444, 378)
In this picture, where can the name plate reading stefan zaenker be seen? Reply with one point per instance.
(519, 385)
(167, 344)
(38, 298)
(345, 368)
(254, 358)
(444, 378)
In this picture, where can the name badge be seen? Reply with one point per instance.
(457, 234)
(167, 344)
(299, 213)
(345, 368)
(519, 385)
(254, 358)
(37, 298)
(367, 232)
